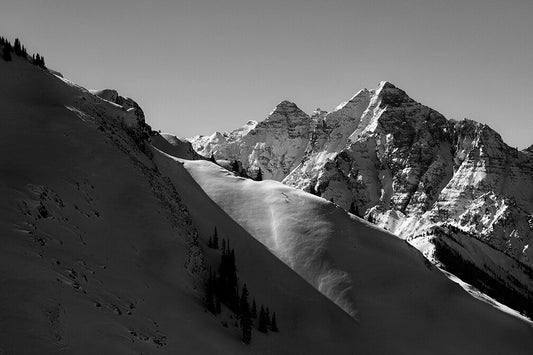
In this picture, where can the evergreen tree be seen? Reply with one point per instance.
(6, 53)
(218, 307)
(210, 293)
(215, 239)
(254, 309)
(354, 209)
(17, 48)
(262, 327)
(246, 321)
(228, 288)
(235, 166)
(273, 323)
(259, 176)
(267, 316)
(38, 60)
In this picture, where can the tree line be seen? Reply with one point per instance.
(19, 50)
(222, 288)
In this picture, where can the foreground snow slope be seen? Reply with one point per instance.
(93, 243)
(96, 245)
(395, 294)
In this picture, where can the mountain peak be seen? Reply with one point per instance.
(391, 95)
(286, 104)
(285, 108)
(384, 84)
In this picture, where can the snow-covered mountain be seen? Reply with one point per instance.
(105, 229)
(277, 144)
(411, 171)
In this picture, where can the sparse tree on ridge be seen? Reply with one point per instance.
(235, 166)
(39, 61)
(354, 209)
(259, 176)
(17, 48)
(6, 52)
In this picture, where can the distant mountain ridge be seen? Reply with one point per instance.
(404, 166)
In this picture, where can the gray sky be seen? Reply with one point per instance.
(199, 66)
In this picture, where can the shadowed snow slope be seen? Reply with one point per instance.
(392, 291)
(96, 245)
(175, 146)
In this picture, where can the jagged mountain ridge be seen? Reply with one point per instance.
(408, 168)
(277, 144)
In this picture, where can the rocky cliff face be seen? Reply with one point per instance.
(276, 145)
(401, 164)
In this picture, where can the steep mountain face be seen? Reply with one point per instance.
(408, 169)
(276, 145)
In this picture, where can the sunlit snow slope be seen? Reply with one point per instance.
(394, 293)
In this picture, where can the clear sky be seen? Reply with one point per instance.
(198, 66)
